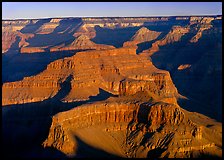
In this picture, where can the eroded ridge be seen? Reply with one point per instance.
(152, 129)
(117, 71)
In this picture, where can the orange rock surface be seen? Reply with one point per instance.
(118, 71)
(174, 130)
(144, 35)
(82, 42)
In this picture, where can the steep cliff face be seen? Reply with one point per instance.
(117, 71)
(36, 88)
(112, 69)
(152, 130)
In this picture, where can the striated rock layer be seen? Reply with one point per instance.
(117, 71)
(153, 129)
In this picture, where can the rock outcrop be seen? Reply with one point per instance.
(32, 49)
(145, 35)
(184, 66)
(82, 42)
(117, 71)
(205, 24)
(152, 130)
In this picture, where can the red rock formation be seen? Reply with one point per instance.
(32, 49)
(118, 71)
(144, 35)
(81, 43)
(171, 128)
(143, 121)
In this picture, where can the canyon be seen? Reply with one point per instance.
(136, 87)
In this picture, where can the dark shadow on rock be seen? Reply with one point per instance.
(63, 33)
(201, 83)
(85, 150)
(24, 65)
(208, 155)
(161, 26)
(144, 46)
(143, 113)
(13, 50)
(16, 67)
(103, 95)
(155, 153)
(33, 27)
(26, 126)
(31, 152)
(115, 37)
(65, 89)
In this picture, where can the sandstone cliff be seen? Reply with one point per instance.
(118, 71)
(152, 130)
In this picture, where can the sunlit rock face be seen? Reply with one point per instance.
(117, 71)
(144, 35)
(155, 129)
(112, 87)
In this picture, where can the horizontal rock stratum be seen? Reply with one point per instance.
(124, 129)
(117, 71)
(112, 87)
